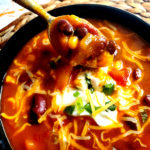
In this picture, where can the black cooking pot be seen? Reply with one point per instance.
(28, 31)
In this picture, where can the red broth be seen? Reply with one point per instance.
(37, 73)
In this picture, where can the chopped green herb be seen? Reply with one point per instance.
(108, 89)
(112, 107)
(79, 105)
(92, 90)
(89, 84)
(76, 94)
(69, 109)
(88, 108)
(144, 116)
(53, 64)
(97, 107)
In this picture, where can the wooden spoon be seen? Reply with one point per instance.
(33, 6)
(36, 8)
(75, 39)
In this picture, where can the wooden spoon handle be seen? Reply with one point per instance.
(33, 6)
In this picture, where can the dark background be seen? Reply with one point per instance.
(3, 142)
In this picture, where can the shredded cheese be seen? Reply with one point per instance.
(110, 25)
(77, 146)
(142, 145)
(80, 137)
(99, 144)
(11, 99)
(10, 79)
(105, 107)
(130, 132)
(44, 116)
(106, 127)
(85, 129)
(17, 63)
(75, 126)
(90, 100)
(131, 58)
(109, 31)
(22, 128)
(135, 54)
(102, 137)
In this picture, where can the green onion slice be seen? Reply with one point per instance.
(108, 89)
(112, 107)
(89, 84)
(79, 105)
(69, 109)
(88, 108)
(76, 94)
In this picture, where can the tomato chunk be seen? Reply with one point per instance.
(120, 76)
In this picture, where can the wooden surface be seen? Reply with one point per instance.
(140, 8)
